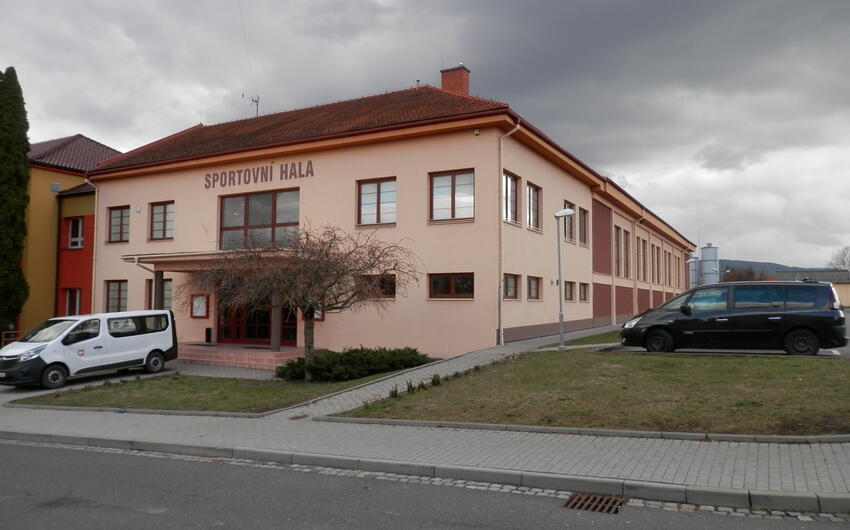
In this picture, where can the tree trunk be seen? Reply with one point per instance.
(309, 352)
(277, 316)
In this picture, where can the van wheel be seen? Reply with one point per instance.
(801, 342)
(154, 363)
(659, 340)
(54, 376)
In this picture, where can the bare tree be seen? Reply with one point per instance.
(319, 270)
(735, 274)
(841, 259)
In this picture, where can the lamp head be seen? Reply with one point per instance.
(564, 213)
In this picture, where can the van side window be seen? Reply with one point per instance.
(129, 326)
(710, 299)
(155, 323)
(801, 297)
(122, 327)
(758, 296)
(85, 330)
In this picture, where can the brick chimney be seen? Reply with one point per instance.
(455, 80)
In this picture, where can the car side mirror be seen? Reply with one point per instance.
(686, 309)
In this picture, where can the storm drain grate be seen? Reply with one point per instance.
(595, 503)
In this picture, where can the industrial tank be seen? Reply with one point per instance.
(709, 265)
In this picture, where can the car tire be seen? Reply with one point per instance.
(54, 376)
(154, 363)
(801, 342)
(659, 340)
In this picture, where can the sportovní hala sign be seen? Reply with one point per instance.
(258, 174)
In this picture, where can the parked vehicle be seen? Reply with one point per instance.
(799, 317)
(65, 347)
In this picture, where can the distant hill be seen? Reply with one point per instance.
(765, 267)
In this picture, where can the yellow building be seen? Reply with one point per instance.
(54, 166)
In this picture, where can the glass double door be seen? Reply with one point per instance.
(252, 325)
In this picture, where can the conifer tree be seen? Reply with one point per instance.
(14, 180)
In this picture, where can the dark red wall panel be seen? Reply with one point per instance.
(601, 223)
(643, 300)
(624, 303)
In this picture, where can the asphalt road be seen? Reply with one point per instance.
(46, 487)
(826, 352)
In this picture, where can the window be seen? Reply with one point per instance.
(627, 256)
(510, 207)
(85, 330)
(162, 220)
(72, 302)
(129, 326)
(510, 287)
(453, 195)
(385, 284)
(759, 296)
(119, 224)
(642, 254)
(569, 223)
(259, 220)
(75, 233)
(569, 291)
(533, 287)
(801, 297)
(461, 285)
(709, 299)
(116, 295)
(583, 292)
(376, 203)
(582, 226)
(150, 295)
(533, 193)
(618, 235)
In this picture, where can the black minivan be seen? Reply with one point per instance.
(799, 317)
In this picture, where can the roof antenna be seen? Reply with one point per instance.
(256, 102)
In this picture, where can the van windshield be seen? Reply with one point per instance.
(47, 331)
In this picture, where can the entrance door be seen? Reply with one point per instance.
(252, 325)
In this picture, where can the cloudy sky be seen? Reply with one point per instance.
(730, 119)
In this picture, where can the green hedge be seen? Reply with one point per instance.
(353, 363)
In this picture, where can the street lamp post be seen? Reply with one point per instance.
(558, 216)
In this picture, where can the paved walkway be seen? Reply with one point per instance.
(806, 468)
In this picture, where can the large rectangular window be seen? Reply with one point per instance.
(627, 254)
(376, 201)
(511, 287)
(116, 295)
(453, 195)
(533, 194)
(533, 288)
(459, 285)
(72, 302)
(583, 292)
(75, 234)
(259, 220)
(570, 222)
(384, 284)
(162, 220)
(582, 226)
(119, 224)
(618, 234)
(511, 183)
(569, 291)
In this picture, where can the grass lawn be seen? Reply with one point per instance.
(183, 392)
(691, 393)
(602, 338)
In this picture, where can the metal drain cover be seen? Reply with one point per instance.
(595, 503)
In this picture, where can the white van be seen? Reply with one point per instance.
(65, 347)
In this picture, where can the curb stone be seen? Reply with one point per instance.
(662, 492)
(813, 439)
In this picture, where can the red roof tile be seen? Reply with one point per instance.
(403, 107)
(78, 153)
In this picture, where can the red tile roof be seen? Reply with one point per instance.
(356, 116)
(77, 153)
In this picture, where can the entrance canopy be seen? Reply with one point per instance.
(174, 261)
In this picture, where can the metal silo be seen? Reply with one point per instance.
(709, 265)
(693, 270)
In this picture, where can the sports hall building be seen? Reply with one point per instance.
(469, 185)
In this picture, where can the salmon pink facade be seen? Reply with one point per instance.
(463, 182)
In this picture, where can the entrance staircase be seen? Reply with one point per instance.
(236, 355)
